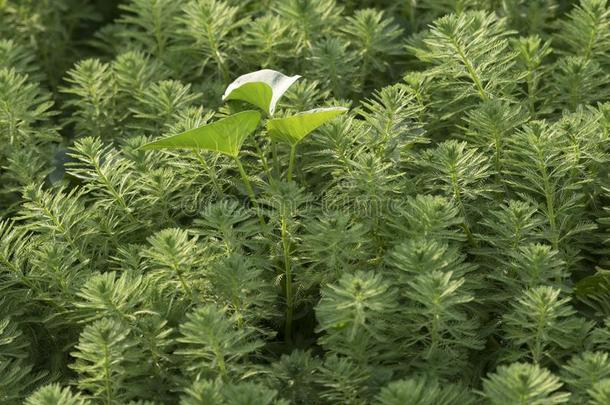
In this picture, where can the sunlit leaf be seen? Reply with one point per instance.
(224, 136)
(262, 88)
(296, 127)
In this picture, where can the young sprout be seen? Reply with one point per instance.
(262, 89)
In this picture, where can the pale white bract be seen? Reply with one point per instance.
(262, 88)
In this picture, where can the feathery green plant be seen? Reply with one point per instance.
(418, 214)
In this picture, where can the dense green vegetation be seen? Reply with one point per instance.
(435, 231)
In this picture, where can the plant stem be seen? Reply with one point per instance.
(220, 62)
(288, 282)
(263, 160)
(210, 173)
(471, 70)
(531, 88)
(293, 149)
(249, 189)
(458, 198)
(549, 196)
(276, 164)
(107, 382)
(185, 285)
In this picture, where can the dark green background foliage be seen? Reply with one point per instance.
(448, 237)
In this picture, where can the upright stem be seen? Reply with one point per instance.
(263, 160)
(249, 189)
(184, 284)
(293, 149)
(220, 62)
(211, 173)
(498, 161)
(187, 289)
(158, 18)
(276, 165)
(549, 195)
(458, 198)
(531, 88)
(538, 346)
(471, 71)
(107, 382)
(409, 9)
(288, 282)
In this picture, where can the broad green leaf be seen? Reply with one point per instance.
(296, 127)
(224, 136)
(262, 88)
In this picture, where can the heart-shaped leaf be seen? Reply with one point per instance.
(296, 127)
(262, 88)
(224, 136)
